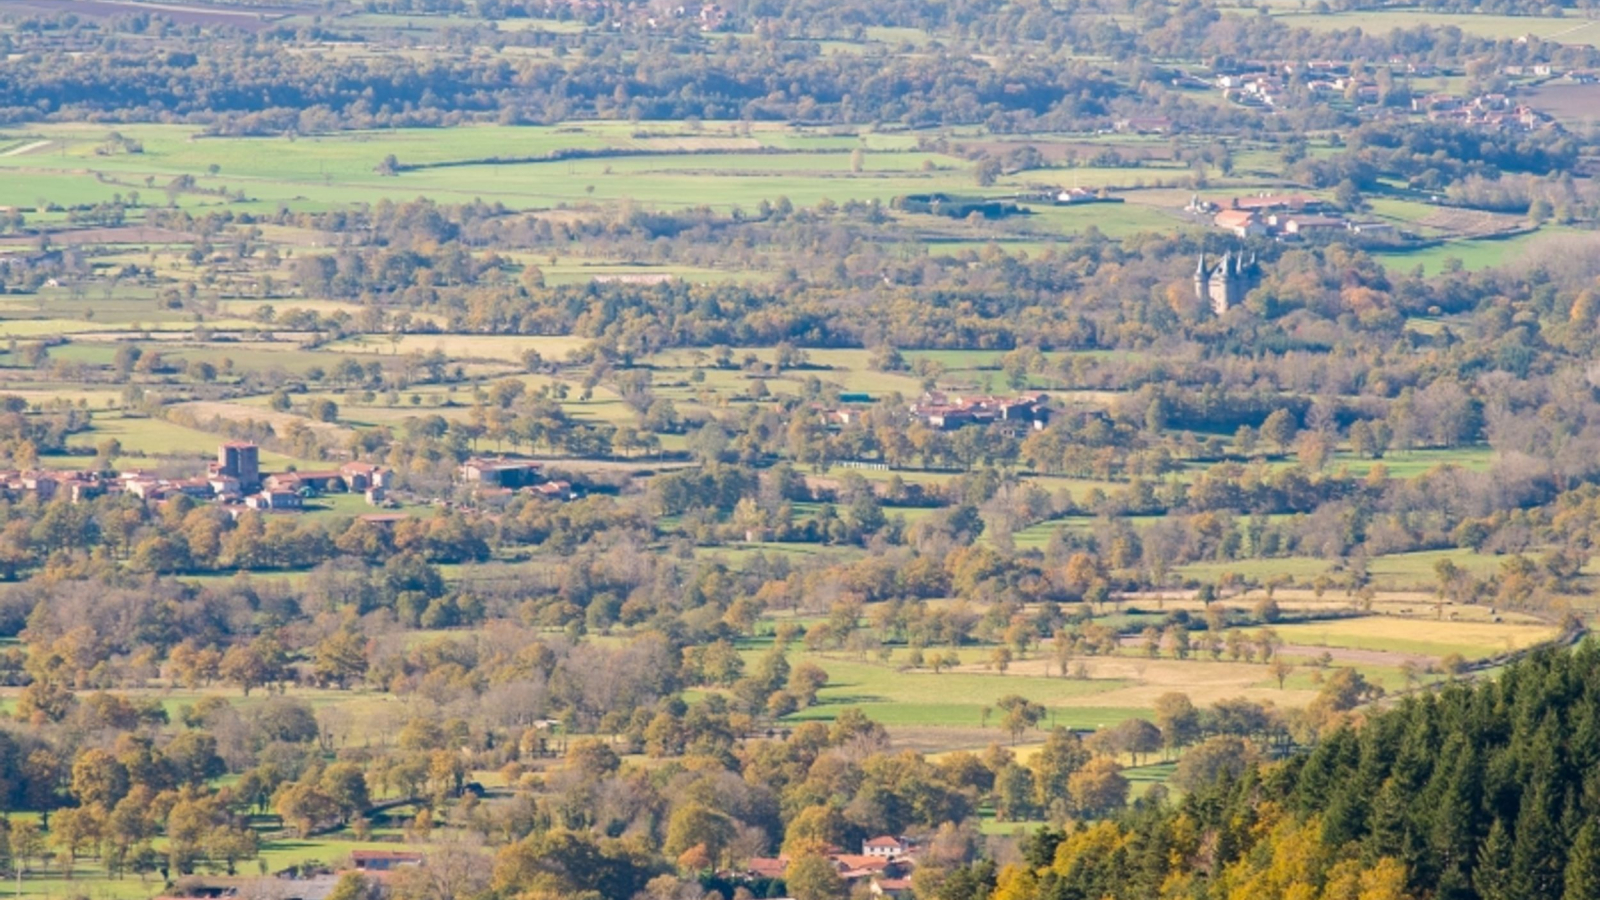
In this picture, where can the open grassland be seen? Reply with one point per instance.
(952, 698)
(939, 710)
(1558, 29)
(374, 718)
(1142, 680)
(507, 164)
(1399, 571)
(1473, 640)
(144, 438)
(205, 410)
(1411, 463)
(1468, 255)
(668, 166)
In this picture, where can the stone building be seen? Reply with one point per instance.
(1225, 285)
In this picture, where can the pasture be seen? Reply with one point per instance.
(584, 165)
(1557, 29)
(954, 708)
(1467, 255)
(1416, 637)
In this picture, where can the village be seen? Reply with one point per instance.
(1276, 84)
(948, 412)
(235, 482)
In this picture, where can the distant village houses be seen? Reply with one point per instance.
(1282, 217)
(882, 869)
(1271, 85)
(946, 413)
(234, 480)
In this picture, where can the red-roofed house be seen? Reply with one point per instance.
(323, 481)
(1271, 202)
(767, 866)
(892, 888)
(1242, 222)
(886, 846)
(884, 861)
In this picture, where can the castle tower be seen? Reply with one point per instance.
(1221, 287)
(1224, 285)
(241, 460)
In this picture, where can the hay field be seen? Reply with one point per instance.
(1473, 640)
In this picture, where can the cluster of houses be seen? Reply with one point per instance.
(1268, 84)
(944, 412)
(1321, 76)
(47, 486)
(948, 412)
(234, 480)
(1282, 216)
(883, 866)
(1485, 111)
(710, 16)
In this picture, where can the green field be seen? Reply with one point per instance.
(1557, 29)
(1472, 255)
(662, 167)
(1399, 571)
(946, 699)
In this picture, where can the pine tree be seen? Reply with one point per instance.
(1583, 865)
(1452, 839)
(1537, 856)
(1493, 875)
